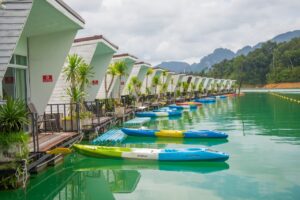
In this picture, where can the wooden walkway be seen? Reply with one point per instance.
(48, 141)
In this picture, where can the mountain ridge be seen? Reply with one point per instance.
(220, 54)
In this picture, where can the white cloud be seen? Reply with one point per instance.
(159, 30)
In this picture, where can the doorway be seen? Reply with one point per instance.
(14, 84)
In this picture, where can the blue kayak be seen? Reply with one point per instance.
(174, 133)
(219, 97)
(159, 114)
(206, 100)
(181, 107)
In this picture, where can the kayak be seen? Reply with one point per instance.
(174, 133)
(170, 154)
(189, 103)
(159, 114)
(206, 100)
(220, 97)
(181, 107)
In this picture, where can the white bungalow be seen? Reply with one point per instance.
(222, 84)
(176, 78)
(157, 72)
(179, 80)
(97, 52)
(206, 83)
(230, 84)
(139, 70)
(171, 81)
(36, 37)
(114, 91)
(194, 80)
(185, 78)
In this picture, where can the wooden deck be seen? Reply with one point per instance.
(48, 141)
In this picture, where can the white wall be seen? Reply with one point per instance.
(47, 54)
(116, 84)
(100, 64)
(134, 72)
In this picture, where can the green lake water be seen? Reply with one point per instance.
(264, 163)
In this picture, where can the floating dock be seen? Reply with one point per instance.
(113, 136)
(138, 121)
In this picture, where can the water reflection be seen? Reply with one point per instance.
(192, 141)
(95, 164)
(65, 183)
(269, 115)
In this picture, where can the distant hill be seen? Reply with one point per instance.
(221, 54)
(176, 66)
(217, 56)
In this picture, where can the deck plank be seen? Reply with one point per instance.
(49, 140)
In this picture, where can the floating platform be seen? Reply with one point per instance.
(138, 121)
(113, 136)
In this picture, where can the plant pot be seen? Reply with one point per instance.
(71, 125)
(120, 111)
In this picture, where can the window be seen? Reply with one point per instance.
(18, 60)
(12, 60)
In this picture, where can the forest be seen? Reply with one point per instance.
(271, 63)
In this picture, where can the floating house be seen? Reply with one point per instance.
(36, 37)
(130, 60)
(157, 72)
(171, 83)
(139, 70)
(186, 78)
(177, 80)
(97, 52)
(231, 84)
(194, 80)
(206, 83)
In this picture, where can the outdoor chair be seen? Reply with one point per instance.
(47, 121)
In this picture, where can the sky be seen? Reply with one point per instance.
(185, 30)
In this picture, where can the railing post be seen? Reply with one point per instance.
(78, 116)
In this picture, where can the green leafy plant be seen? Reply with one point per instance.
(78, 75)
(148, 73)
(155, 83)
(13, 116)
(121, 71)
(113, 73)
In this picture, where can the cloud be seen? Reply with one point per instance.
(159, 30)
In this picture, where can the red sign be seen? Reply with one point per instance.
(9, 80)
(47, 78)
(95, 82)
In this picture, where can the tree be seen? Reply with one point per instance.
(193, 88)
(71, 71)
(112, 72)
(164, 75)
(121, 70)
(78, 75)
(200, 88)
(136, 84)
(85, 74)
(148, 73)
(155, 83)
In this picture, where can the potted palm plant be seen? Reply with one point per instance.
(13, 140)
(78, 75)
(155, 84)
(121, 71)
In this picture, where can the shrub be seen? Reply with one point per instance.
(13, 116)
